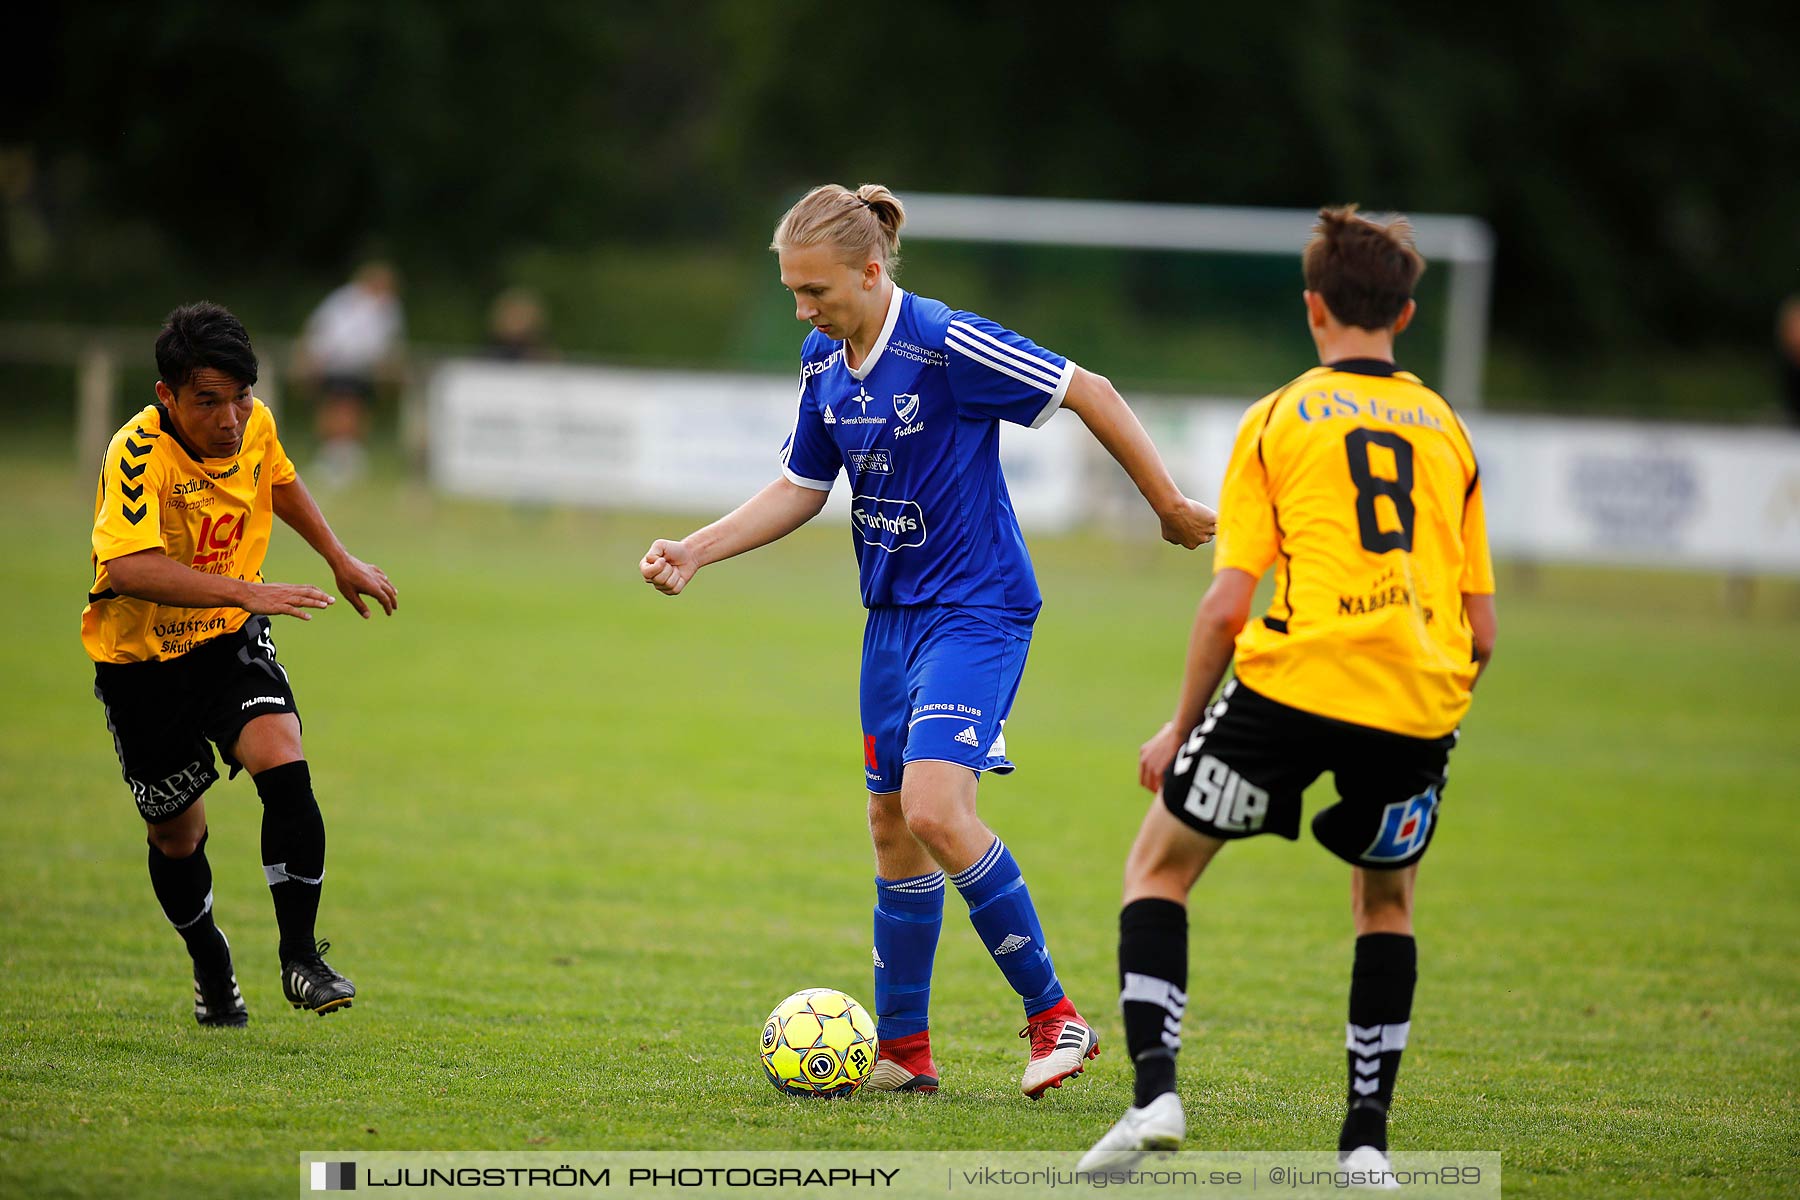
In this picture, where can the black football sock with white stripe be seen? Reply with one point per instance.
(1153, 991)
(1381, 994)
(184, 889)
(293, 853)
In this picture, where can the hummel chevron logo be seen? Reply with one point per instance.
(967, 737)
(137, 451)
(1366, 1087)
(1367, 1066)
(134, 515)
(1013, 942)
(139, 430)
(131, 472)
(132, 493)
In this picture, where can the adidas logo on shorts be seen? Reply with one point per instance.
(967, 737)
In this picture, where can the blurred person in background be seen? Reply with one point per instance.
(905, 396)
(1358, 485)
(1787, 345)
(354, 340)
(518, 327)
(177, 623)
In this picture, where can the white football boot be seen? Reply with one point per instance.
(1159, 1125)
(1373, 1163)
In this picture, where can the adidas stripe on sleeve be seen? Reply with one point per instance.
(996, 373)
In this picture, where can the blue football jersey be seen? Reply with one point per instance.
(916, 427)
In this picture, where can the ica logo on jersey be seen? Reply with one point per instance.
(217, 541)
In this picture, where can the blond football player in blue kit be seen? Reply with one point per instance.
(905, 396)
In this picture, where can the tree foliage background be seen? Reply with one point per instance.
(1640, 162)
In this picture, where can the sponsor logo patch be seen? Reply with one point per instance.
(890, 524)
(1405, 828)
(172, 793)
(1220, 796)
(813, 368)
(968, 710)
(862, 400)
(871, 462)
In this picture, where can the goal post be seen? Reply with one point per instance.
(1465, 244)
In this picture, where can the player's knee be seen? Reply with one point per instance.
(933, 825)
(887, 826)
(269, 741)
(176, 840)
(885, 815)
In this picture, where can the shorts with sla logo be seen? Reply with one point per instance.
(1242, 770)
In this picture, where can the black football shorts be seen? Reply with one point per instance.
(162, 715)
(1243, 769)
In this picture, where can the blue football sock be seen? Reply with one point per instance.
(909, 913)
(1000, 908)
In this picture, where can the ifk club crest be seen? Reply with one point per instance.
(906, 406)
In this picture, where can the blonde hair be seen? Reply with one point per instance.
(863, 224)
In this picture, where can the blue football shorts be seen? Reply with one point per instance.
(938, 683)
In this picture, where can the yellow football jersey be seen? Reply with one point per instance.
(212, 514)
(1359, 484)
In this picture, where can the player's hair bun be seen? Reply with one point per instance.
(884, 205)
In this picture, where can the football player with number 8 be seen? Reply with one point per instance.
(1359, 486)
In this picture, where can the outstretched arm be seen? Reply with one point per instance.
(152, 575)
(355, 578)
(1221, 615)
(768, 516)
(1094, 399)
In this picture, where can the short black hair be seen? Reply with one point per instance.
(202, 336)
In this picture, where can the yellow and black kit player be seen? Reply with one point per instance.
(1358, 486)
(177, 623)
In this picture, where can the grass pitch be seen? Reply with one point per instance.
(583, 837)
